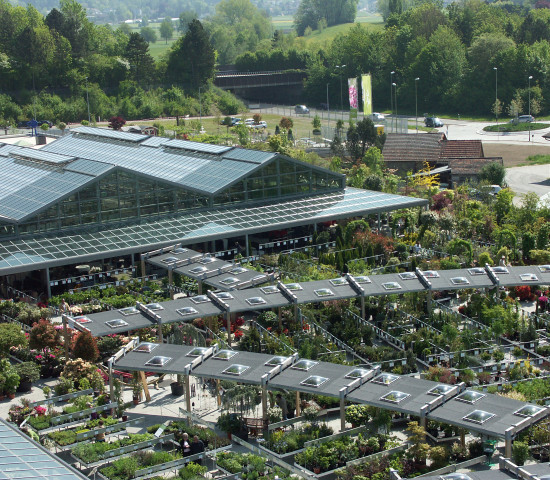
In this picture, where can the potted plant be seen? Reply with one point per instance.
(2, 386)
(136, 391)
(28, 372)
(274, 414)
(177, 387)
(357, 415)
(12, 382)
(230, 423)
(47, 390)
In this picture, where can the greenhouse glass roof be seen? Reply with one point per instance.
(25, 254)
(22, 458)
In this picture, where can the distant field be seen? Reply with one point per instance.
(159, 47)
(285, 22)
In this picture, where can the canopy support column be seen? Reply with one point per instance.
(265, 377)
(160, 335)
(142, 265)
(199, 283)
(298, 406)
(280, 315)
(247, 247)
(48, 286)
(378, 224)
(145, 387)
(362, 307)
(218, 395)
(111, 383)
(508, 443)
(187, 384)
(343, 409)
(228, 327)
(65, 337)
(171, 283)
(429, 299)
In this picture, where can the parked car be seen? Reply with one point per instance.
(23, 124)
(42, 122)
(522, 119)
(377, 117)
(433, 122)
(234, 121)
(262, 124)
(301, 109)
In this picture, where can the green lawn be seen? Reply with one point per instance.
(516, 127)
(536, 160)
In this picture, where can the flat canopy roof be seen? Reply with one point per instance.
(22, 458)
(37, 253)
(268, 297)
(208, 269)
(388, 391)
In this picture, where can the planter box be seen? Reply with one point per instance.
(60, 398)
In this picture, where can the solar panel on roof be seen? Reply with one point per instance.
(197, 147)
(42, 156)
(108, 133)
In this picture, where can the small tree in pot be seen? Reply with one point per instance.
(28, 372)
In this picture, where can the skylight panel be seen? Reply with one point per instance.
(275, 361)
(362, 279)
(528, 410)
(323, 292)
(358, 373)
(116, 323)
(229, 281)
(293, 287)
(146, 347)
(197, 352)
(170, 260)
(477, 271)
(237, 270)
(304, 365)
(478, 416)
(441, 389)
(180, 250)
(207, 260)
(198, 270)
(236, 369)
(544, 268)
(470, 396)
(185, 311)
(158, 361)
(500, 270)
(200, 299)
(314, 381)
(269, 289)
(224, 296)
(129, 311)
(225, 354)
(385, 378)
(407, 276)
(338, 282)
(460, 281)
(394, 396)
(528, 277)
(430, 274)
(256, 301)
(82, 319)
(391, 286)
(155, 307)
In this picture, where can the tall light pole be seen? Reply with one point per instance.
(395, 85)
(200, 110)
(340, 67)
(328, 109)
(391, 95)
(416, 101)
(496, 96)
(88, 101)
(530, 78)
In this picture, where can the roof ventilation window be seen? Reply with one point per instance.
(224, 295)
(477, 271)
(394, 396)
(430, 274)
(385, 378)
(407, 276)
(500, 270)
(129, 311)
(237, 270)
(170, 260)
(304, 365)
(528, 277)
(225, 354)
(197, 352)
(256, 301)
(338, 282)
(358, 373)
(82, 319)
(460, 281)
(200, 299)
(441, 389)
(544, 268)
(293, 287)
(146, 347)
(362, 279)
(528, 411)
(229, 281)
(269, 289)
(391, 286)
(236, 369)
(324, 292)
(155, 307)
(478, 416)
(314, 381)
(180, 250)
(198, 270)
(185, 311)
(158, 361)
(116, 323)
(275, 361)
(470, 396)
(207, 260)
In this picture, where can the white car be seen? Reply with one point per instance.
(262, 124)
(377, 117)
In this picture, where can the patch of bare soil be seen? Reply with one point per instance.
(514, 155)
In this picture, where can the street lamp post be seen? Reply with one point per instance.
(496, 97)
(530, 78)
(88, 101)
(328, 109)
(416, 101)
(339, 67)
(200, 110)
(391, 95)
(395, 85)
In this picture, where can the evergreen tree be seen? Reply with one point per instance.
(142, 65)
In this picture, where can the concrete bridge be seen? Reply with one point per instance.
(246, 80)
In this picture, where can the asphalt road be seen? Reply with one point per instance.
(533, 178)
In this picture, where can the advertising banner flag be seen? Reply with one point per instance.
(366, 84)
(353, 97)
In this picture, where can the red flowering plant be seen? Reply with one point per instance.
(238, 334)
(40, 410)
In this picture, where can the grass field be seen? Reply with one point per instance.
(516, 127)
(536, 160)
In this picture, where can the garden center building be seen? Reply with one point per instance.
(97, 195)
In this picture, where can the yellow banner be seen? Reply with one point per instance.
(366, 85)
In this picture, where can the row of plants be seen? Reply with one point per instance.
(284, 442)
(250, 466)
(93, 452)
(126, 468)
(68, 436)
(209, 438)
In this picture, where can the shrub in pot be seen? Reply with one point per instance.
(28, 372)
(12, 382)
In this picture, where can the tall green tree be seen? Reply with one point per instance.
(141, 64)
(335, 12)
(191, 60)
(166, 29)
